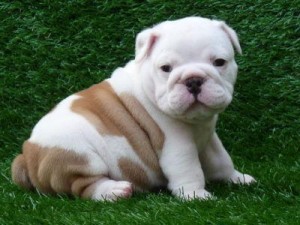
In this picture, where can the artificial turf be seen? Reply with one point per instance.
(50, 49)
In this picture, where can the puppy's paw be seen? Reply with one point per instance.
(240, 178)
(122, 189)
(200, 194)
(111, 190)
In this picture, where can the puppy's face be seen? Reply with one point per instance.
(187, 66)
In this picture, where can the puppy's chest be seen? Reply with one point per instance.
(203, 134)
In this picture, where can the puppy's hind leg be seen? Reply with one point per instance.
(217, 164)
(87, 180)
(56, 170)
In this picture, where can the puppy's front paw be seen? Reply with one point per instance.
(240, 178)
(200, 194)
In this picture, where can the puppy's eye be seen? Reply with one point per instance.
(219, 62)
(166, 68)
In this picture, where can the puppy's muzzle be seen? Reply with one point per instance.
(193, 85)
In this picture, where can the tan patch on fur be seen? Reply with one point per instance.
(19, 172)
(53, 170)
(134, 173)
(146, 123)
(122, 116)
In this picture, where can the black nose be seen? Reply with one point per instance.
(193, 85)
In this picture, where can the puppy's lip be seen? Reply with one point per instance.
(198, 103)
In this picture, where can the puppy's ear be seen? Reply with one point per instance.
(144, 44)
(232, 36)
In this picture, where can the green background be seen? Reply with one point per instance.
(50, 49)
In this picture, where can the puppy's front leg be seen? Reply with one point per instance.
(217, 164)
(181, 166)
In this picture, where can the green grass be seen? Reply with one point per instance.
(50, 49)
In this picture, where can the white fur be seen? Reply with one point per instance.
(189, 45)
(67, 130)
(51, 129)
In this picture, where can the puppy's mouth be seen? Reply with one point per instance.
(196, 111)
(197, 97)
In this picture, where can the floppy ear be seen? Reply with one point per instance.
(144, 44)
(232, 36)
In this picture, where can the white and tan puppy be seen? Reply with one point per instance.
(151, 124)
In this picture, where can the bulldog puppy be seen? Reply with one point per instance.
(152, 124)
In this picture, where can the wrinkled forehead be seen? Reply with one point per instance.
(193, 41)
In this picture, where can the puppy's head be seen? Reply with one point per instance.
(187, 66)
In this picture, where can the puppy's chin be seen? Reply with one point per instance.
(197, 112)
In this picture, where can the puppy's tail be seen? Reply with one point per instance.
(19, 172)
